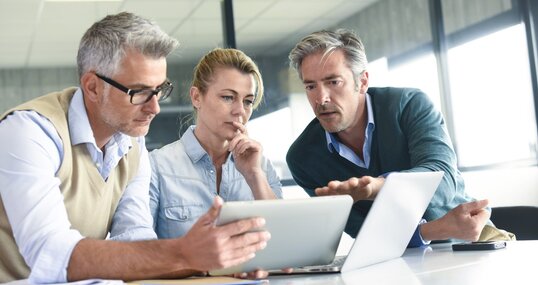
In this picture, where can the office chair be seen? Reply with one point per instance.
(520, 220)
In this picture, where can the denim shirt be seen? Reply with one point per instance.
(183, 184)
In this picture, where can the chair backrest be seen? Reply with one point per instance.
(520, 220)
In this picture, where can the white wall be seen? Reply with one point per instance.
(504, 187)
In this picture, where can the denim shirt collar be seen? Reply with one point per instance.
(193, 148)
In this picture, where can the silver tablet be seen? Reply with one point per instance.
(303, 231)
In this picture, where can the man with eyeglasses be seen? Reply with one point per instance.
(74, 171)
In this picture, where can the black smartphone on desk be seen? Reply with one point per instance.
(479, 245)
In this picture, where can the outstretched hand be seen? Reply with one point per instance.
(364, 188)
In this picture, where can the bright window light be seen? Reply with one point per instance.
(492, 99)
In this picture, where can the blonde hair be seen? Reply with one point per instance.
(226, 57)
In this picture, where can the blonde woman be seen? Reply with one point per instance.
(215, 157)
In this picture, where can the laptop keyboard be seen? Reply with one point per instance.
(338, 261)
(334, 266)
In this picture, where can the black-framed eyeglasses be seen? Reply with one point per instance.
(142, 96)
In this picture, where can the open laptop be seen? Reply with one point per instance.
(296, 226)
(390, 223)
(303, 231)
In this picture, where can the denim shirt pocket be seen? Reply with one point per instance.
(183, 213)
(180, 218)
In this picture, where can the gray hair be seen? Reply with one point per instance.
(328, 42)
(105, 43)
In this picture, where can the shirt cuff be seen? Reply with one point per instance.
(384, 175)
(51, 265)
(416, 239)
(136, 235)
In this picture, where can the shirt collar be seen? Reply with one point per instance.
(193, 148)
(83, 133)
(332, 142)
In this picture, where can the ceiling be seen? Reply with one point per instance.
(46, 33)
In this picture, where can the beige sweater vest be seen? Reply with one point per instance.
(89, 200)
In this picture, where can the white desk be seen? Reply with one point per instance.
(438, 264)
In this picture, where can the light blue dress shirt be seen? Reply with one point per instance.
(334, 145)
(32, 152)
(183, 184)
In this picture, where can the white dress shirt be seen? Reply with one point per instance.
(31, 153)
